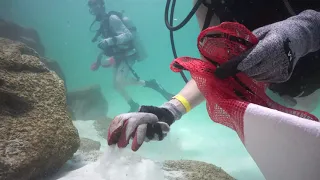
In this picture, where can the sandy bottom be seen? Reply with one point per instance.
(194, 137)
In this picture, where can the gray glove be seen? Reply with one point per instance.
(150, 123)
(280, 46)
(105, 43)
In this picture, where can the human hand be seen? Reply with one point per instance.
(150, 123)
(280, 46)
(105, 43)
(94, 66)
(109, 62)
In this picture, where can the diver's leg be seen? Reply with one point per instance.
(153, 84)
(127, 71)
(119, 84)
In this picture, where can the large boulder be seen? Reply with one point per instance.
(194, 170)
(87, 103)
(31, 38)
(37, 135)
(54, 66)
(15, 32)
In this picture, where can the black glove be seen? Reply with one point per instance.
(154, 131)
(281, 45)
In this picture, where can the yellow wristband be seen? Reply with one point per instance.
(183, 101)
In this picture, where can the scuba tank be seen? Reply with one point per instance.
(139, 46)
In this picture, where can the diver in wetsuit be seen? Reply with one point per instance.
(118, 43)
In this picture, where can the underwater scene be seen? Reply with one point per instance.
(159, 90)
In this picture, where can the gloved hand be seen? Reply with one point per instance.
(94, 66)
(108, 62)
(105, 43)
(150, 123)
(281, 45)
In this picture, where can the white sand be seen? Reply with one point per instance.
(117, 164)
(194, 137)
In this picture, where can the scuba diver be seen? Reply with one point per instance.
(283, 145)
(120, 43)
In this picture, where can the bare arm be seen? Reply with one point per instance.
(201, 15)
(190, 91)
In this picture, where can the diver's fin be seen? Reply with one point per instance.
(153, 84)
(134, 107)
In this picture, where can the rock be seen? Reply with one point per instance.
(77, 163)
(54, 66)
(88, 152)
(89, 167)
(37, 136)
(88, 103)
(81, 158)
(195, 170)
(15, 32)
(87, 145)
(101, 125)
(30, 37)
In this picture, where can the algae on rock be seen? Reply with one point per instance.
(195, 170)
(37, 135)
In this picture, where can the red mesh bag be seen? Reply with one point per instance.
(228, 99)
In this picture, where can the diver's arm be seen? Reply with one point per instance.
(188, 98)
(201, 15)
(124, 33)
(105, 63)
(191, 93)
(98, 33)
